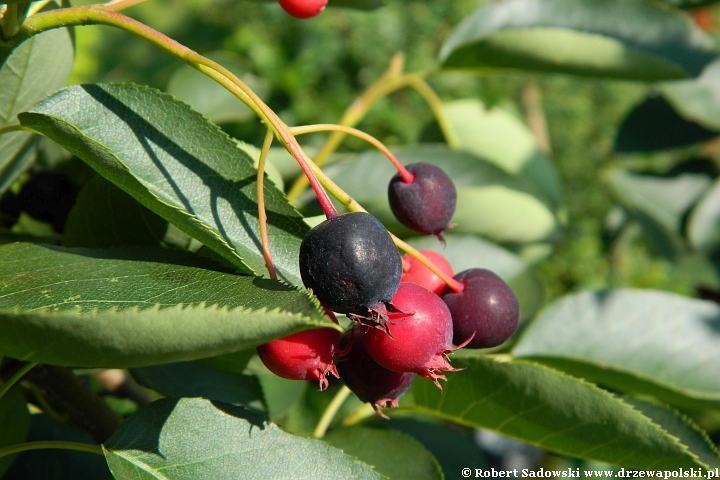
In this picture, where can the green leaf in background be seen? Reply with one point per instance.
(36, 68)
(660, 204)
(195, 379)
(491, 202)
(626, 39)
(177, 164)
(14, 422)
(356, 4)
(469, 251)
(130, 307)
(210, 98)
(697, 100)
(195, 438)
(703, 226)
(553, 411)
(643, 341)
(105, 216)
(392, 453)
(654, 125)
(498, 136)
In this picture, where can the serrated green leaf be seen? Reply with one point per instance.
(551, 410)
(382, 448)
(210, 98)
(194, 438)
(642, 341)
(469, 251)
(660, 203)
(195, 379)
(134, 307)
(633, 40)
(697, 100)
(36, 68)
(105, 216)
(703, 225)
(654, 125)
(14, 422)
(177, 164)
(499, 137)
(491, 202)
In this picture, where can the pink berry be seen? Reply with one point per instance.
(304, 355)
(371, 382)
(303, 8)
(417, 273)
(418, 341)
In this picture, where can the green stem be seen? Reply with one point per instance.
(435, 104)
(324, 127)
(13, 128)
(15, 378)
(100, 15)
(262, 214)
(330, 412)
(78, 447)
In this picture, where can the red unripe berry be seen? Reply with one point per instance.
(371, 382)
(303, 8)
(304, 355)
(417, 273)
(486, 308)
(418, 341)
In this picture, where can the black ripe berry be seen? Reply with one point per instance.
(352, 265)
(371, 383)
(487, 308)
(9, 209)
(48, 196)
(427, 203)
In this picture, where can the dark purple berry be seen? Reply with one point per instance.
(9, 209)
(427, 203)
(48, 196)
(371, 383)
(352, 265)
(487, 308)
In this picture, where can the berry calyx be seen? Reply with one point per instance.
(304, 355)
(303, 8)
(351, 264)
(371, 382)
(420, 341)
(427, 203)
(417, 273)
(486, 307)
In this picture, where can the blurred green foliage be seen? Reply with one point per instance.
(314, 69)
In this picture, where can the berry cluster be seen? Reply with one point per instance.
(406, 318)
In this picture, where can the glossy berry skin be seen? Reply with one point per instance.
(371, 382)
(303, 8)
(426, 204)
(418, 342)
(487, 308)
(351, 264)
(48, 196)
(304, 355)
(417, 273)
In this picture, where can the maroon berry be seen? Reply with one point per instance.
(487, 308)
(303, 8)
(419, 341)
(352, 265)
(304, 355)
(372, 383)
(427, 203)
(417, 273)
